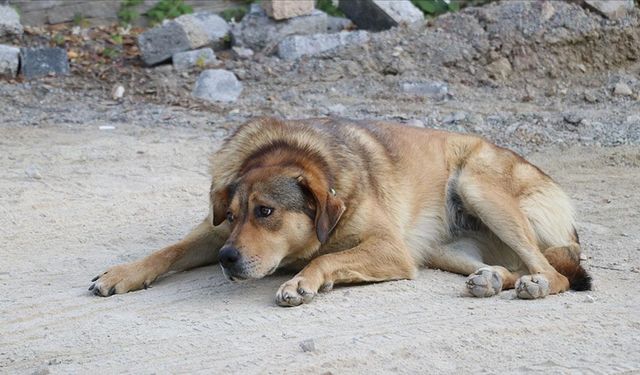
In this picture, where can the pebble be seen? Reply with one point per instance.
(308, 345)
(622, 89)
(117, 92)
(589, 299)
(33, 172)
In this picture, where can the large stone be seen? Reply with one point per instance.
(430, 89)
(296, 46)
(185, 33)
(9, 21)
(258, 32)
(200, 58)
(39, 62)
(284, 9)
(9, 60)
(217, 85)
(611, 9)
(381, 14)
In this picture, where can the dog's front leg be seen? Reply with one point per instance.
(378, 258)
(200, 247)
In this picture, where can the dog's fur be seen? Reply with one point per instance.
(350, 202)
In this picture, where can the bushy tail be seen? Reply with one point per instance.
(566, 260)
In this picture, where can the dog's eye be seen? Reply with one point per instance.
(263, 211)
(230, 217)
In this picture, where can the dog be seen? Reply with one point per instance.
(346, 201)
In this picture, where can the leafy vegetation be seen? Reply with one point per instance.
(168, 9)
(328, 7)
(127, 13)
(436, 7)
(233, 13)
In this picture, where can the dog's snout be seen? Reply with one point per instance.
(229, 256)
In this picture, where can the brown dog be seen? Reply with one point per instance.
(349, 202)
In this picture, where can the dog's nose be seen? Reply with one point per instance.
(229, 256)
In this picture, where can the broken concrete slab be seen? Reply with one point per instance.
(9, 60)
(9, 21)
(285, 9)
(185, 33)
(611, 9)
(296, 46)
(259, 32)
(39, 62)
(217, 85)
(200, 58)
(380, 15)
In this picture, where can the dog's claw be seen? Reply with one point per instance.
(112, 291)
(92, 286)
(295, 292)
(94, 279)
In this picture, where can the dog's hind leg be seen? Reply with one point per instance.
(499, 210)
(464, 256)
(200, 247)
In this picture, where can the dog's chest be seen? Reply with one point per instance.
(426, 232)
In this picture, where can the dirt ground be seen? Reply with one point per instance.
(105, 197)
(87, 182)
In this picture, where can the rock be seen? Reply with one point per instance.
(337, 24)
(296, 46)
(200, 58)
(243, 53)
(9, 21)
(283, 9)
(185, 33)
(590, 98)
(259, 32)
(38, 62)
(455, 117)
(33, 172)
(117, 92)
(434, 89)
(611, 9)
(308, 345)
(9, 60)
(547, 11)
(380, 14)
(500, 69)
(217, 85)
(622, 89)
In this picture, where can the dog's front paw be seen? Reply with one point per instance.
(485, 282)
(295, 292)
(123, 278)
(532, 287)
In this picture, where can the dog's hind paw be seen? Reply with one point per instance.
(532, 287)
(485, 282)
(295, 292)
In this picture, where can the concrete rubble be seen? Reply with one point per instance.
(217, 85)
(285, 9)
(184, 33)
(380, 15)
(296, 46)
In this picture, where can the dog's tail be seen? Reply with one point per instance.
(566, 260)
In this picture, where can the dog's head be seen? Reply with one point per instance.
(276, 215)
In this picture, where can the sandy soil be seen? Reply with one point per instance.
(105, 197)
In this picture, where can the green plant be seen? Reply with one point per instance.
(328, 7)
(58, 39)
(80, 20)
(127, 13)
(117, 38)
(168, 9)
(233, 13)
(436, 7)
(110, 53)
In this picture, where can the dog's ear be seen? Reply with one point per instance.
(220, 204)
(329, 208)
